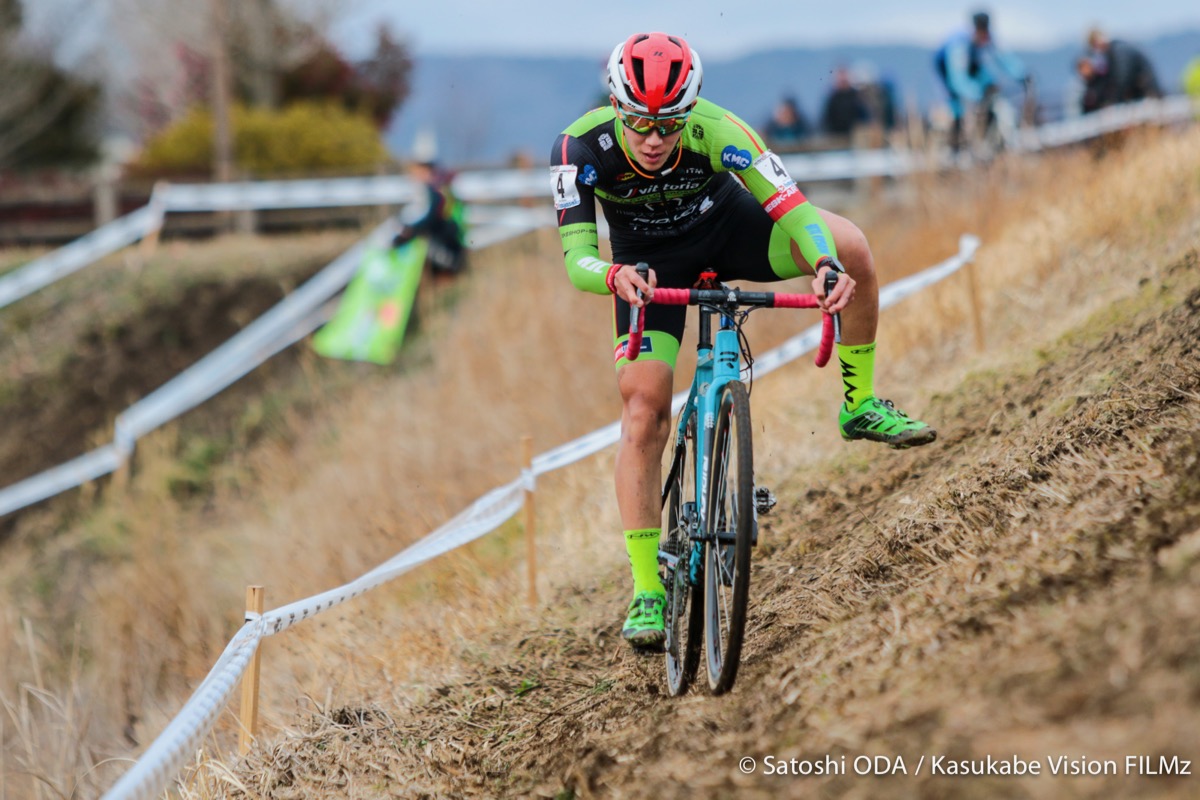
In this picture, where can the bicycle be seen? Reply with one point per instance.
(998, 120)
(709, 495)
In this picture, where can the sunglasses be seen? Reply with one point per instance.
(665, 126)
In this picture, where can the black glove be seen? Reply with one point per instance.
(405, 236)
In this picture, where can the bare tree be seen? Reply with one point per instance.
(46, 114)
(167, 56)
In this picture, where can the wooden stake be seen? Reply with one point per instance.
(149, 244)
(255, 597)
(121, 476)
(976, 314)
(530, 523)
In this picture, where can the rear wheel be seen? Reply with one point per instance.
(730, 524)
(684, 611)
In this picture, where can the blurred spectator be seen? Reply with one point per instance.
(844, 106)
(788, 126)
(1191, 77)
(879, 96)
(967, 62)
(1125, 73)
(437, 215)
(1090, 98)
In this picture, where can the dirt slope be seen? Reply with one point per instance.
(1027, 588)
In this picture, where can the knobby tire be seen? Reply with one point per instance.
(730, 500)
(684, 611)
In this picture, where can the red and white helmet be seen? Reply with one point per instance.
(654, 74)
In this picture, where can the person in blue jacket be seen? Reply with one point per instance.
(968, 62)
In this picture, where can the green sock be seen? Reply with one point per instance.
(858, 372)
(642, 546)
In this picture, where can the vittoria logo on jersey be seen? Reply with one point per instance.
(658, 189)
(606, 141)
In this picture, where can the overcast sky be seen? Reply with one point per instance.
(728, 28)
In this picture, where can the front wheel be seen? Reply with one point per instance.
(730, 529)
(684, 611)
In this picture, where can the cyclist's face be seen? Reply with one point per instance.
(650, 150)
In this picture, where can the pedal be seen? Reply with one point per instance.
(764, 500)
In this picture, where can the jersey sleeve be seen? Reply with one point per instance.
(572, 176)
(740, 150)
(958, 62)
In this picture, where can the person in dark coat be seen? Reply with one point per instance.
(1126, 74)
(844, 106)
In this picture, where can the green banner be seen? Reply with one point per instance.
(371, 318)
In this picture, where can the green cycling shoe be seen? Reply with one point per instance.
(644, 625)
(880, 421)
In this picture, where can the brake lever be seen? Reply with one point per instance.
(831, 279)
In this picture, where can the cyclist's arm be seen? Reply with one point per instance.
(741, 151)
(575, 205)
(419, 217)
(1012, 66)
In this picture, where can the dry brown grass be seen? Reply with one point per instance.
(156, 585)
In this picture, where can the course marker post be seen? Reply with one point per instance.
(976, 314)
(255, 602)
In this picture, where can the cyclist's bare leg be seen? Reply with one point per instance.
(645, 388)
(867, 417)
(861, 317)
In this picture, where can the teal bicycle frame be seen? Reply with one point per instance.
(718, 361)
(713, 416)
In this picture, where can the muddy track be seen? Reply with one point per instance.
(1028, 588)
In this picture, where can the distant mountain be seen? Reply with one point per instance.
(484, 110)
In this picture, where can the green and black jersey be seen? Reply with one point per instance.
(718, 158)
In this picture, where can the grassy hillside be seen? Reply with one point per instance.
(1024, 582)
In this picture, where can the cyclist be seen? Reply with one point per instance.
(963, 61)
(671, 171)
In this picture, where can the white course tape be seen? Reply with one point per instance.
(72, 257)
(87, 467)
(293, 318)
(838, 164)
(250, 347)
(255, 195)
(1107, 120)
(180, 740)
(183, 736)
